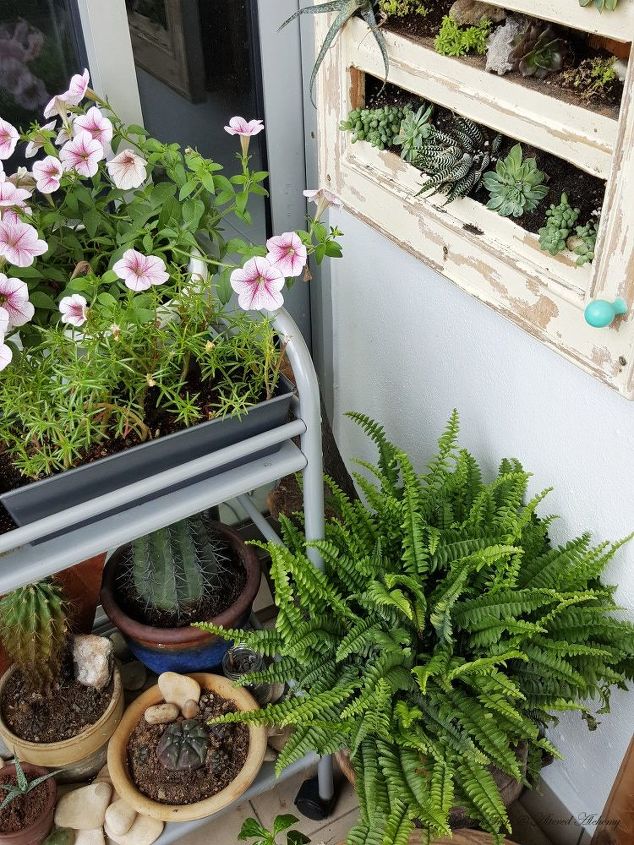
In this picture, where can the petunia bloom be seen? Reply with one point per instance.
(5, 355)
(82, 154)
(19, 242)
(127, 170)
(4, 322)
(77, 88)
(96, 124)
(9, 137)
(22, 178)
(14, 301)
(258, 285)
(323, 199)
(140, 272)
(10, 196)
(246, 129)
(74, 310)
(48, 174)
(37, 141)
(287, 253)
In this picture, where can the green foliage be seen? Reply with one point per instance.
(559, 222)
(378, 127)
(516, 185)
(344, 11)
(601, 5)
(456, 159)
(593, 78)
(183, 746)
(252, 829)
(443, 632)
(400, 8)
(415, 130)
(454, 40)
(583, 243)
(34, 631)
(539, 51)
(175, 568)
(22, 786)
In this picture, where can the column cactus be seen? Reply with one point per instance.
(34, 631)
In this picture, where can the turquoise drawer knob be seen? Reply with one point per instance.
(600, 313)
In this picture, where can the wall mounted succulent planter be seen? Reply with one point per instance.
(491, 257)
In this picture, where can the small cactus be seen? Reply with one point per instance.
(183, 746)
(175, 568)
(34, 631)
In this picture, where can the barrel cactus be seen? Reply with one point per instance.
(177, 567)
(34, 631)
(183, 746)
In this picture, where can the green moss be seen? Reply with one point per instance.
(454, 40)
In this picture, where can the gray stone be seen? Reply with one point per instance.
(501, 43)
(471, 12)
(63, 836)
(133, 675)
(162, 714)
(92, 657)
(119, 645)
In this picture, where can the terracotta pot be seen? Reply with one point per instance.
(620, 49)
(183, 649)
(118, 756)
(78, 755)
(82, 585)
(39, 830)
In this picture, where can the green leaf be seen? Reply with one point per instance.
(186, 189)
(109, 276)
(209, 182)
(92, 219)
(43, 300)
(251, 828)
(107, 299)
(284, 822)
(223, 286)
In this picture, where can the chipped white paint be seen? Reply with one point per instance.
(488, 256)
(618, 24)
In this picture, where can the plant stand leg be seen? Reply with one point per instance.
(316, 798)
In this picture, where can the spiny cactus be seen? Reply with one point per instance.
(559, 222)
(34, 631)
(456, 159)
(183, 746)
(415, 130)
(175, 568)
(376, 126)
(538, 51)
(516, 185)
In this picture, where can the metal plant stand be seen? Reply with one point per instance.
(23, 561)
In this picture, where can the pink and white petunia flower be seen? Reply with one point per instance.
(9, 137)
(323, 199)
(96, 123)
(77, 88)
(56, 107)
(14, 301)
(22, 178)
(10, 195)
(4, 323)
(246, 128)
(74, 310)
(258, 285)
(287, 253)
(140, 272)
(48, 174)
(82, 154)
(19, 242)
(6, 356)
(127, 170)
(38, 141)
(64, 134)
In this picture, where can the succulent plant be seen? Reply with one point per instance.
(175, 568)
(455, 40)
(183, 746)
(34, 631)
(583, 243)
(376, 126)
(538, 51)
(400, 8)
(22, 786)
(559, 222)
(516, 185)
(596, 77)
(454, 160)
(415, 130)
(601, 5)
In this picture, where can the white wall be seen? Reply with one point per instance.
(408, 347)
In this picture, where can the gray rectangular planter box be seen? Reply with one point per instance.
(58, 492)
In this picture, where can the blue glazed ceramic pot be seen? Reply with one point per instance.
(183, 649)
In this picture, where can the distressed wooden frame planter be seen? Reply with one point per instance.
(489, 256)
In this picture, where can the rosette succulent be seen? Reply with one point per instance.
(539, 51)
(559, 222)
(415, 130)
(516, 185)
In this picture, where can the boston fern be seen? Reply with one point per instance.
(443, 633)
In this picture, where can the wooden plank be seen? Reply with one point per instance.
(573, 133)
(618, 24)
(617, 827)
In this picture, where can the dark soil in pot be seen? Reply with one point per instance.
(227, 752)
(584, 191)
(25, 810)
(62, 713)
(230, 586)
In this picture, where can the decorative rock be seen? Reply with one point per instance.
(2, 763)
(620, 68)
(92, 657)
(163, 714)
(91, 837)
(471, 12)
(85, 808)
(278, 737)
(63, 836)
(120, 817)
(144, 831)
(500, 44)
(119, 645)
(133, 675)
(103, 776)
(178, 689)
(190, 709)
